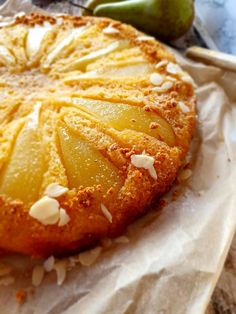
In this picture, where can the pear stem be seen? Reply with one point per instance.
(79, 6)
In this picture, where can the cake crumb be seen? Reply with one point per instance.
(176, 194)
(201, 193)
(154, 125)
(21, 296)
(162, 203)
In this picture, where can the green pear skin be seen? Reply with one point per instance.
(165, 19)
(91, 5)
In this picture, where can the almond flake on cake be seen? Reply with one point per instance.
(146, 162)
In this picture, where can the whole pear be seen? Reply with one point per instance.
(165, 19)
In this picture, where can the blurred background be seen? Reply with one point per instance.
(219, 18)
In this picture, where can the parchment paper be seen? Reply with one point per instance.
(175, 256)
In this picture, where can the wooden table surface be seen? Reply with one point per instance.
(223, 300)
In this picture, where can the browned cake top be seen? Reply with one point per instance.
(95, 120)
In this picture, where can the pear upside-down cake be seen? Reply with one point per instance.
(95, 120)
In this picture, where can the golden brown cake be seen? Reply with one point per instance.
(95, 120)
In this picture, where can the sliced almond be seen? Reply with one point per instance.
(106, 242)
(61, 270)
(64, 217)
(170, 78)
(187, 79)
(89, 257)
(145, 38)
(49, 263)
(110, 30)
(183, 107)
(37, 275)
(45, 210)
(72, 261)
(55, 190)
(146, 162)
(173, 68)
(106, 213)
(164, 87)
(156, 79)
(185, 174)
(161, 64)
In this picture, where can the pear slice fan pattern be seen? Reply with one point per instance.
(95, 120)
